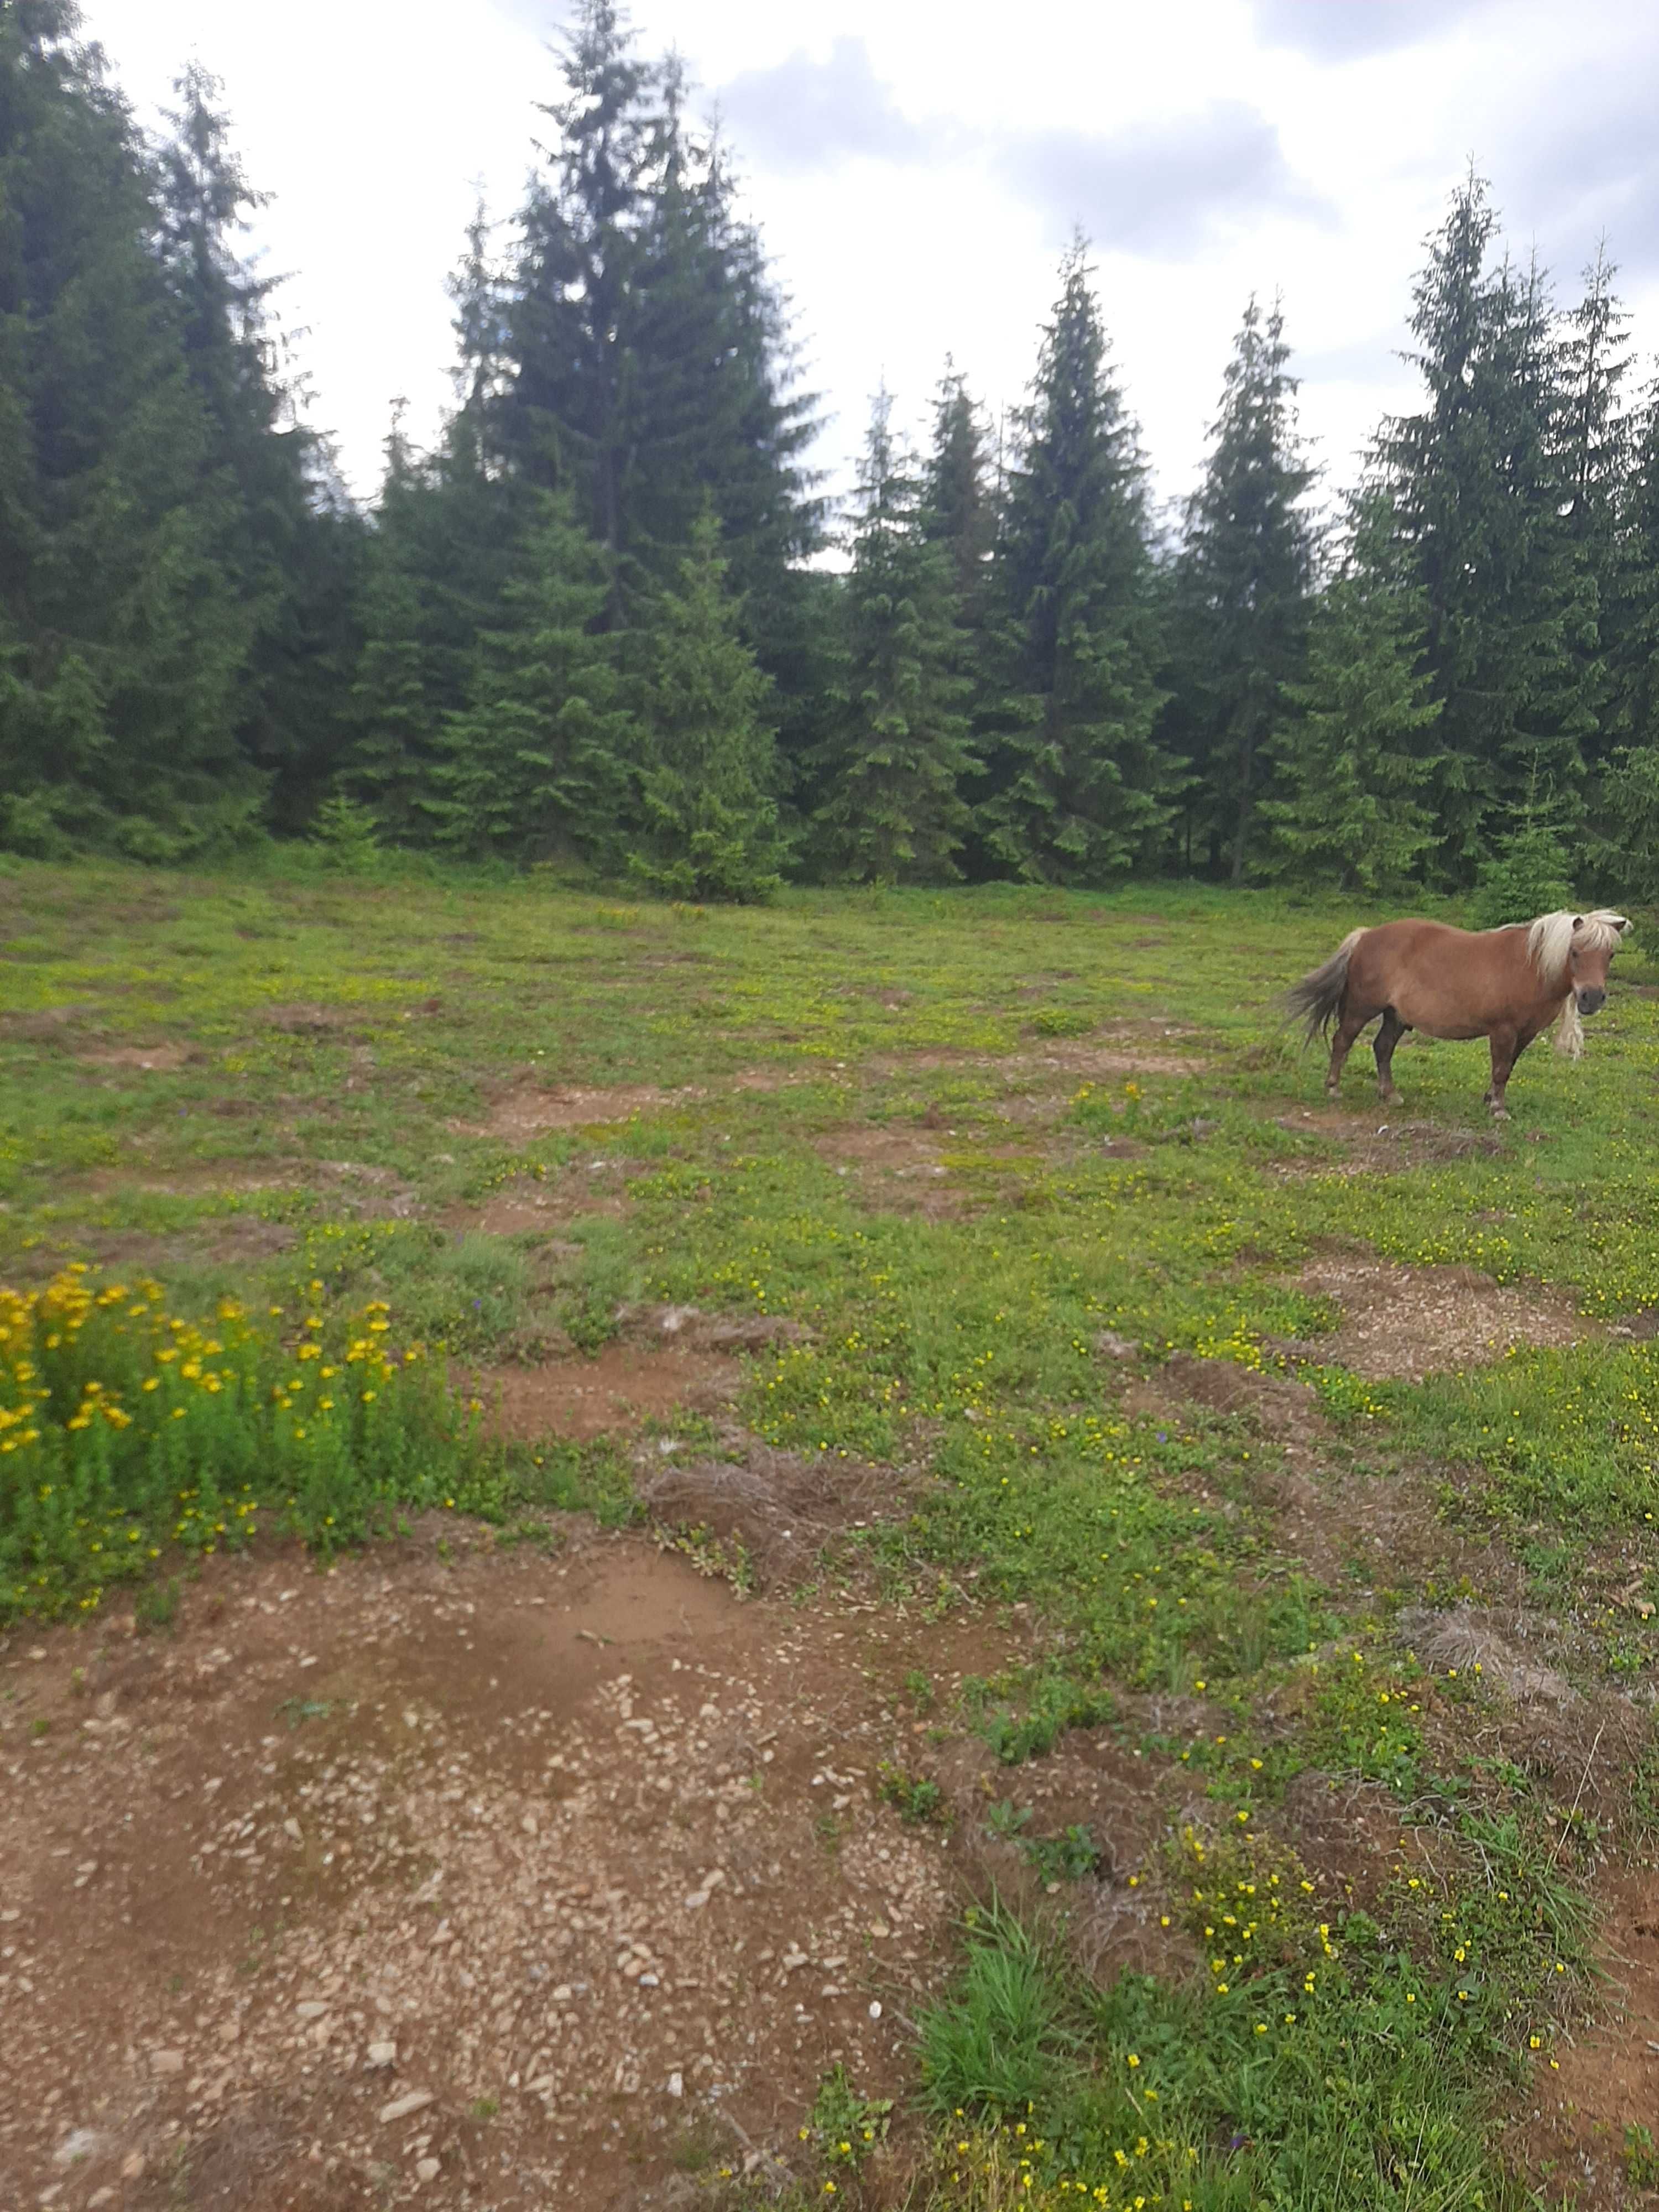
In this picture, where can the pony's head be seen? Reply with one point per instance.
(1573, 950)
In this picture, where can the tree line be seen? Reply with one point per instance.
(593, 626)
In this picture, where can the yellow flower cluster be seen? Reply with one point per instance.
(1009, 2165)
(123, 1426)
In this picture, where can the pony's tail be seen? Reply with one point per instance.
(1570, 1030)
(1316, 1000)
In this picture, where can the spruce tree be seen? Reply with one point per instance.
(120, 617)
(539, 763)
(1595, 430)
(647, 352)
(1078, 789)
(958, 510)
(1481, 496)
(1354, 758)
(895, 765)
(294, 542)
(393, 713)
(1626, 797)
(1242, 586)
(708, 808)
(448, 529)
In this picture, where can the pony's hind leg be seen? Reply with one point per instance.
(1387, 1037)
(1348, 1029)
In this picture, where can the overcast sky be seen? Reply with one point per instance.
(917, 166)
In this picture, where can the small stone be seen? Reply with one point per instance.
(443, 1933)
(311, 2008)
(166, 2062)
(529, 1824)
(132, 2165)
(1111, 1346)
(427, 2169)
(676, 2085)
(416, 2100)
(875, 2008)
(381, 2055)
(698, 1897)
(99, 2198)
(79, 2144)
(291, 1827)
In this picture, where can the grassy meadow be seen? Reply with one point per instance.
(1009, 1162)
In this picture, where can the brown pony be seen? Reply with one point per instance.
(1505, 985)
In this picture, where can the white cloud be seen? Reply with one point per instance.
(915, 170)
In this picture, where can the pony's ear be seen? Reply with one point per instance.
(1577, 923)
(1624, 925)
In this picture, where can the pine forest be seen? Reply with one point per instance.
(608, 623)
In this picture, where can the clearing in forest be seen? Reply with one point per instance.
(849, 1553)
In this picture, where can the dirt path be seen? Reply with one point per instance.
(495, 1879)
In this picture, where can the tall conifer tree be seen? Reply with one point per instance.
(1353, 754)
(709, 809)
(1625, 819)
(648, 357)
(294, 546)
(540, 764)
(1242, 587)
(958, 505)
(447, 539)
(1481, 495)
(898, 758)
(1078, 788)
(123, 637)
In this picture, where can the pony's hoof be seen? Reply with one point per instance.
(1500, 1113)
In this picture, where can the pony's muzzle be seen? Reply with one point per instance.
(1590, 1001)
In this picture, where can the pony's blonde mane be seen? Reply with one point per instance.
(1549, 944)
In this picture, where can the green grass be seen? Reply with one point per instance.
(309, 1153)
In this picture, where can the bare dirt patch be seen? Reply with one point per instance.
(369, 1193)
(770, 1078)
(910, 1168)
(1281, 1405)
(530, 1207)
(1401, 1323)
(780, 1508)
(150, 1059)
(693, 1330)
(609, 1394)
(231, 1178)
(1474, 1640)
(1374, 1144)
(527, 1111)
(1608, 2081)
(46, 1024)
(1080, 1057)
(313, 1021)
(504, 1881)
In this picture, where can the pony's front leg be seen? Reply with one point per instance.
(1506, 1048)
